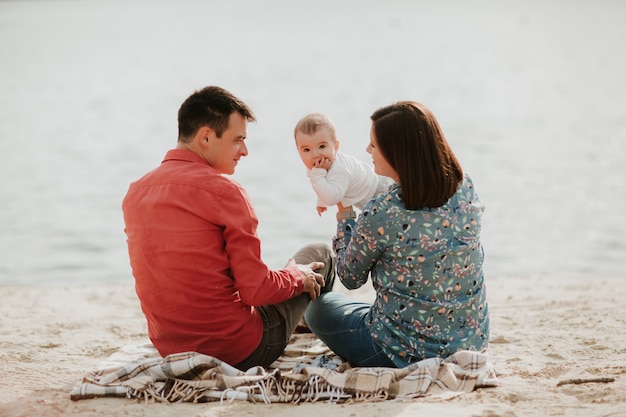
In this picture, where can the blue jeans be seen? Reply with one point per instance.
(339, 322)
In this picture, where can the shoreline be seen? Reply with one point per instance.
(558, 344)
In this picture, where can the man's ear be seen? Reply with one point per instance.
(203, 134)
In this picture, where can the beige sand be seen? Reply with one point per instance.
(545, 330)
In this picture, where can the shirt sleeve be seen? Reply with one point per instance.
(357, 248)
(329, 185)
(256, 283)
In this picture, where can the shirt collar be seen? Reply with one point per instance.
(183, 155)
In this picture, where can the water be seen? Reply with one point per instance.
(531, 95)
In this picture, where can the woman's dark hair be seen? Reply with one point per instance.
(410, 139)
(211, 106)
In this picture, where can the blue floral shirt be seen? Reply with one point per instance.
(426, 268)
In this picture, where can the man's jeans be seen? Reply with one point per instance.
(280, 320)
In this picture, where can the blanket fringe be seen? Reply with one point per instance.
(192, 377)
(270, 390)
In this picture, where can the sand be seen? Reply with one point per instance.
(548, 331)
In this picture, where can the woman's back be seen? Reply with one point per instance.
(427, 273)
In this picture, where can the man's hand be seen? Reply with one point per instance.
(313, 281)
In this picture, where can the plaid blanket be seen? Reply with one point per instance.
(307, 371)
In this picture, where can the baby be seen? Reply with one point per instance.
(335, 176)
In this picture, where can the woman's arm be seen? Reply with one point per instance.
(356, 246)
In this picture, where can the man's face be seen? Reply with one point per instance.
(224, 153)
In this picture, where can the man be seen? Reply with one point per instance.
(195, 253)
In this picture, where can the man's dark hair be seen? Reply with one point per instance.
(211, 106)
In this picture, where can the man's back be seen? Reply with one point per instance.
(190, 230)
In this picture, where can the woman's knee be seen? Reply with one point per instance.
(315, 313)
(326, 312)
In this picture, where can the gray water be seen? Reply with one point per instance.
(531, 95)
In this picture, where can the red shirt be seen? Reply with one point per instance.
(196, 259)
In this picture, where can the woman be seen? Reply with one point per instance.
(419, 242)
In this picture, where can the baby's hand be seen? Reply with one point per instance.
(321, 209)
(323, 163)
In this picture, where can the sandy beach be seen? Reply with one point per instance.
(558, 344)
(531, 94)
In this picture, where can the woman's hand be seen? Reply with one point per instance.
(341, 208)
(345, 212)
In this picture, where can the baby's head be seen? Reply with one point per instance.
(315, 138)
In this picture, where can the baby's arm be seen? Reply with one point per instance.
(330, 185)
(329, 191)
